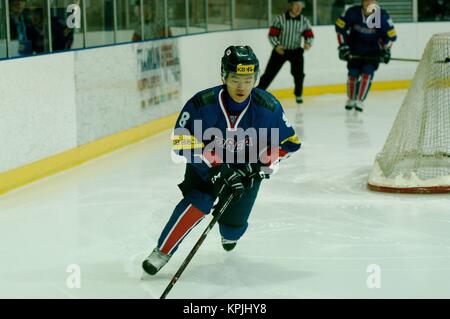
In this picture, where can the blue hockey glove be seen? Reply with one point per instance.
(254, 172)
(226, 180)
(385, 55)
(344, 52)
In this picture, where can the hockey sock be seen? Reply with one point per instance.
(351, 87)
(364, 87)
(184, 218)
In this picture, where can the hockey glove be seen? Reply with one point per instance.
(344, 52)
(226, 180)
(385, 55)
(253, 173)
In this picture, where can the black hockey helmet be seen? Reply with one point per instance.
(239, 60)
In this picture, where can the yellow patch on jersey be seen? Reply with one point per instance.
(293, 139)
(391, 33)
(185, 142)
(245, 69)
(340, 23)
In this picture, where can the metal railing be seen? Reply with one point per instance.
(407, 10)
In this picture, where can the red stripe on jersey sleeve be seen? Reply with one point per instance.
(213, 158)
(274, 32)
(308, 34)
(271, 155)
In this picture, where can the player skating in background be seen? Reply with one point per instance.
(286, 35)
(220, 159)
(363, 46)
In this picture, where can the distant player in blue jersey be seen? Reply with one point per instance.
(231, 136)
(363, 44)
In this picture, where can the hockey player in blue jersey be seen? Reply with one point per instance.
(231, 136)
(363, 44)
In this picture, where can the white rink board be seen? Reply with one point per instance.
(37, 109)
(53, 103)
(108, 98)
(201, 56)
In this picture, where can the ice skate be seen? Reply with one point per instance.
(359, 106)
(228, 244)
(350, 105)
(155, 261)
(299, 100)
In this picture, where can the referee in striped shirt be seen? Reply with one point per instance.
(286, 35)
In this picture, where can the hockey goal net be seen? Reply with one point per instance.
(416, 155)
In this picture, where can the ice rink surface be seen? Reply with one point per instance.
(315, 230)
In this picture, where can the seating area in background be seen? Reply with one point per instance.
(40, 26)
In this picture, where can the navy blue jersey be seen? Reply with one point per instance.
(352, 30)
(206, 134)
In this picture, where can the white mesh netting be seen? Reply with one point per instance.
(416, 155)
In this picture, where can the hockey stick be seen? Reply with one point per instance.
(405, 60)
(375, 59)
(447, 60)
(177, 275)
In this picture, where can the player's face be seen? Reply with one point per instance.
(147, 11)
(366, 3)
(295, 8)
(239, 86)
(17, 6)
(35, 18)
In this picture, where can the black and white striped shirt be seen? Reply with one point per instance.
(288, 31)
